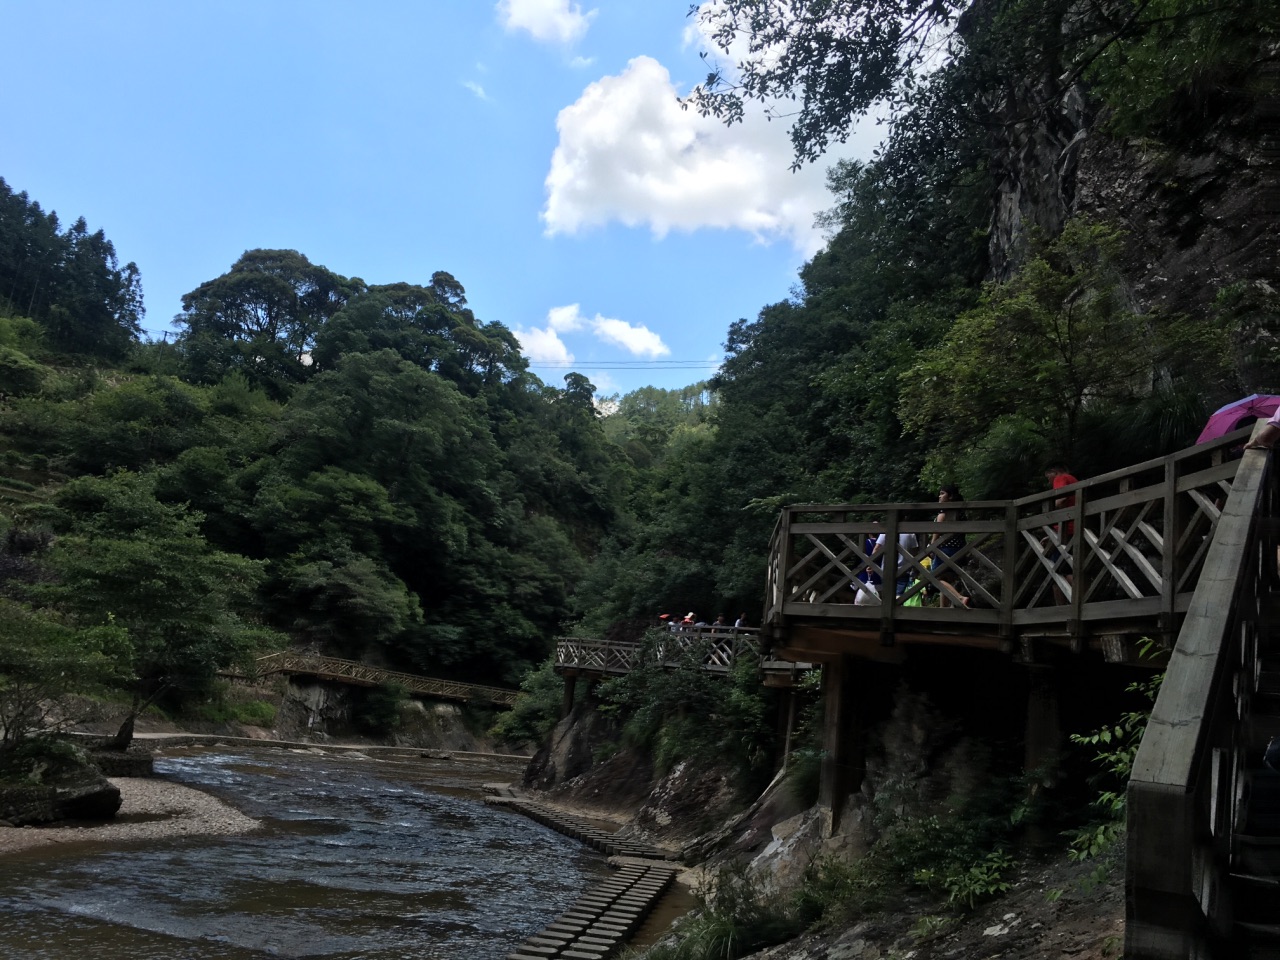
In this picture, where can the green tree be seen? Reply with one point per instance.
(43, 662)
(69, 281)
(127, 559)
(1058, 338)
(261, 318)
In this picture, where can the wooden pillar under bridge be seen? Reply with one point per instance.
(1043, 738)
(570, 687)
(786, 722)
(842, 757)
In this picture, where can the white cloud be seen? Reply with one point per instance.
(566, 319)
(629, 153)
(476, 89)
(581, 63)
(543, 346)
(639, 341)
(548, 21)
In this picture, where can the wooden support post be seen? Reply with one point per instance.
(570, 686)
(1044, 731)
(841, 738)
(787, 721)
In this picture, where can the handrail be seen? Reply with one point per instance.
(718, 649)
(1185, 790)
(362, 674)
(1129, 549)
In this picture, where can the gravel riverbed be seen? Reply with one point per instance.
(152, 809)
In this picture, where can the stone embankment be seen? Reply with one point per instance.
(601, 921)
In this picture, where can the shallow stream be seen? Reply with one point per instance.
(358, 858)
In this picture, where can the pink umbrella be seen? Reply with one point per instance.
(1237, 414)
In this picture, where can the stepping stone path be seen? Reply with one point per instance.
(599, 922)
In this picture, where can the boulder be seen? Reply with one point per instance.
(44, 781)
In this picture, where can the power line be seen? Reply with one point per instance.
(631, 364)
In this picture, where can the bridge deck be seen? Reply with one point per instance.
(362, 674)
(1123, 560)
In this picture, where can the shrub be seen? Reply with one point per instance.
(684, 712)
(536, 710)
(737, 917)
(379, 714)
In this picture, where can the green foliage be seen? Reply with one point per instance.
(127, 559)
(536, 710)
(688, 713)
(1251, 314)
(20, 375)
(801, 51)
(220, 709)
(982, 880)
(737, 916)
(1116, 747)
(43, 661)
(260, 318)
(69, 281)
(1170, 70)
(381, 709)
(1043, 347)
(960, 850)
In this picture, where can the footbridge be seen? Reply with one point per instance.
(362, 675)
(712, 648)
(1183, 550)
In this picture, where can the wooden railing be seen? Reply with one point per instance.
(1188, 792)
(361, 674)
(1129, 550)
(716, 648)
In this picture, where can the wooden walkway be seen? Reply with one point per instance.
(363, 675)
(1185, 549)
(1122, 562)
(714, 649)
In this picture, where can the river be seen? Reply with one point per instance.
(359, 858)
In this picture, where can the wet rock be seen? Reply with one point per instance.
(91, 798)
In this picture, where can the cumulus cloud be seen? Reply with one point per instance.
(566, 319)
(544, 344)
(548, 21)
(476, 89)
(639, 341)
(629, 153)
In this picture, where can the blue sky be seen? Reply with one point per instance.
(532, 148)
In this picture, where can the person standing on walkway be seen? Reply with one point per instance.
(1059, 475)
(901, 558)
(947, 545)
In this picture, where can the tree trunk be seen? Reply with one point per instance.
(124, 736)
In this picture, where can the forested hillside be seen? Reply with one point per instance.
(1062, 249)
(369, 471)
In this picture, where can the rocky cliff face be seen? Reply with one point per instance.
(1201, 210)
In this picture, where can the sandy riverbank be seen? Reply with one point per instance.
(151, 810)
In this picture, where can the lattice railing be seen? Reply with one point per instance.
(362, 674)
(1131, 546)
(717, 649)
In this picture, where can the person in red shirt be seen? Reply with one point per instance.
(1059, 475)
